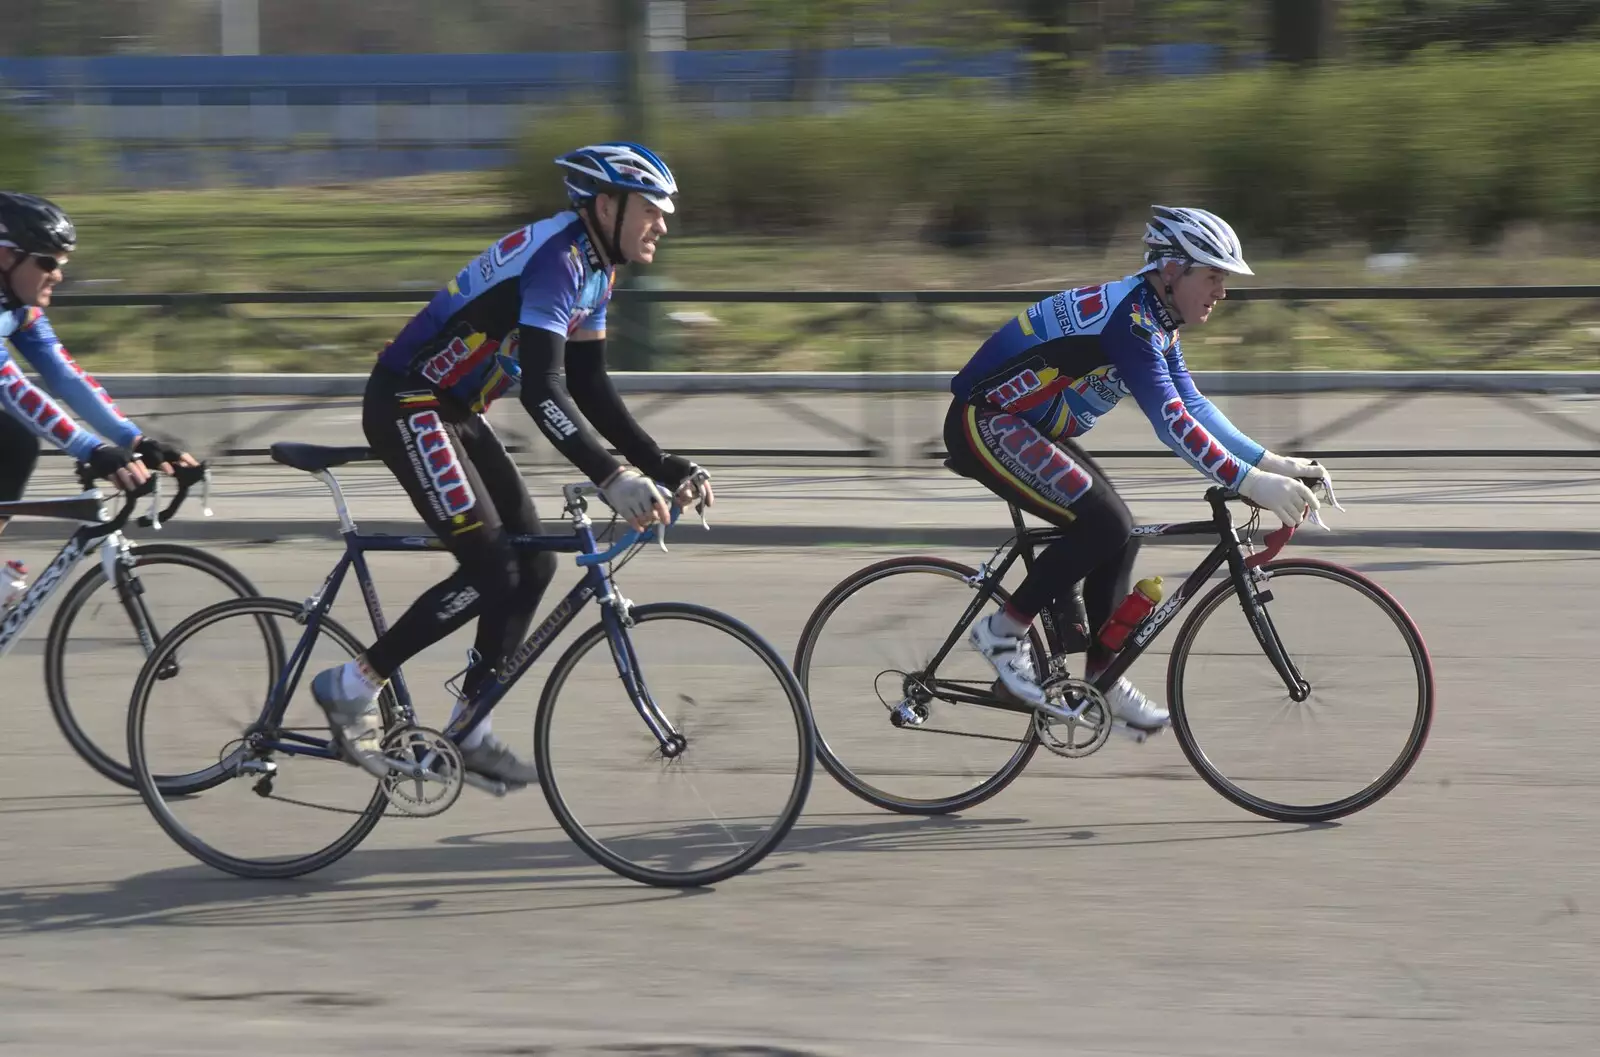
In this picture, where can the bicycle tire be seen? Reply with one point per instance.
(597, 849)
(102, 760)
(1387, 779)
(152, 795)
(831, 762)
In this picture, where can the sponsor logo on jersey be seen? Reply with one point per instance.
(1089, 305)
(1063, 313)
(1142, 321)
(1029, 388)
(512, 245)
(1195, 440)
(445, 367)
(1104, 383)
(1014, 388)
(475, 359)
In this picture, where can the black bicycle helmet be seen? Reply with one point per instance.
(35, 225)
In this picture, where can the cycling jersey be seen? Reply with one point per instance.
(1071, 358)
(30, 332)
(464, 343)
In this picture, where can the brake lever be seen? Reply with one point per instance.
(155, 504)
(700, 498)
(1326, 482)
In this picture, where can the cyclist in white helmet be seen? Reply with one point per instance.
(1045, 378)
(531, 306)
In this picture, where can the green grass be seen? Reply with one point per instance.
(418, 232)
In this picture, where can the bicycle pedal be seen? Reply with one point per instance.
(492, 786)
(1137, 735)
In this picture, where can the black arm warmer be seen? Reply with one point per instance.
(544, 394)
(600, 403)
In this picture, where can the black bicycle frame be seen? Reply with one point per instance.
(1227, 550)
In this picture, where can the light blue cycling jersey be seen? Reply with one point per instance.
(464, 343)
(1071, 358)
(31, 333)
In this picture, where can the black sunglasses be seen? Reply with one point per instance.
(46, 264)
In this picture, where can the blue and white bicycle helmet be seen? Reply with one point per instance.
(620, 166)
(1189, 234)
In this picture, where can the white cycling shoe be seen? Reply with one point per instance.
(1141, 715)
(1013, 663)
(1012, 660)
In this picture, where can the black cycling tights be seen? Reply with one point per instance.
(19, 453)
(1057, 481)
(468, 490)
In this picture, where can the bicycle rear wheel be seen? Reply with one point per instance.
(1364, 718)
(866, 650)
(277, 803)
(737, 782)
(103, 632)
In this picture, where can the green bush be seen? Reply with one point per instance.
(1451, 144)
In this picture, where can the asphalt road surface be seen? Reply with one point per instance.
(1111, 905)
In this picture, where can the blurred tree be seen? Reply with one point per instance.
(1393, 29)
(1234, 28)
(1299, 31)
(69, 27)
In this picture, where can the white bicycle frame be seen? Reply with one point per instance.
(113, 546)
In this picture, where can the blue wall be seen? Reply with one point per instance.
(309, 80)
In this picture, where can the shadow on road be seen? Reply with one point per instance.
(538, 870)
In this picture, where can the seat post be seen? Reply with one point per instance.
(1022, 536)
(346, 525)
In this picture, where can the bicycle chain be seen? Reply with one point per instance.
(227, 751)
(966, 734)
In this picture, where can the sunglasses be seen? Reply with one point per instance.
(46, 263)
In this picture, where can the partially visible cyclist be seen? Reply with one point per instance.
(533, 305)
(35, 240)
(1047, 377)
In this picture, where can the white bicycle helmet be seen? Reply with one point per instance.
(1187, 234)
(620, 165)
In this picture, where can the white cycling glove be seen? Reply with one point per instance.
(1290, 466)
(1303, 469)
(635, 498)
(1283, 496)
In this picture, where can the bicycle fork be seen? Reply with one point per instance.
(617, 617)
(1253, 598)
(117, 565)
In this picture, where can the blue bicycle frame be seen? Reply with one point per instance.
(596, 583)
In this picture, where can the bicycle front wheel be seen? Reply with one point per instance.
(1367, 703)
(719, 800)
(105, 629)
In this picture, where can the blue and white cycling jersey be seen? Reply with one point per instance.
(1071, 358)
(464, 343)
(31, 333)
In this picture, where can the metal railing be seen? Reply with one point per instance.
(883, 400)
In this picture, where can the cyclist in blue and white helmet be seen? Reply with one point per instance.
(528, 312)
(1176, 241)
(603, 179)
(1042, 381)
